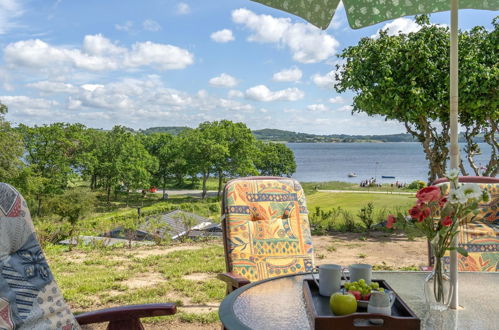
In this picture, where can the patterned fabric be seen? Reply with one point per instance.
(29, 296)
(266, 228)
(480, 234)
(363, 13)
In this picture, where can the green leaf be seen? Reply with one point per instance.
(462, 251)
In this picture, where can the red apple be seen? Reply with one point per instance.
(343, 303)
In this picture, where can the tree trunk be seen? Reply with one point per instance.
(220, 181)
(493, 165)
(108, 195)
(205, 178)
(434, 147)
(164, 187)
(471, 149)
(39, 209)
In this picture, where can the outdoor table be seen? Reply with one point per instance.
(278, 303)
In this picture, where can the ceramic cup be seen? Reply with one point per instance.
(360, 271)
(329, 279)
(380, 303)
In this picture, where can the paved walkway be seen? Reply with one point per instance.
(368, 192)
(196, 193)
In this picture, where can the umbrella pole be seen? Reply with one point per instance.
(454, 147)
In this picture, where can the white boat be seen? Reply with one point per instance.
(352, 175)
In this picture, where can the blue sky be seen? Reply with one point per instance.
(179, 63)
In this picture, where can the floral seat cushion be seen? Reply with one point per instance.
(267, 228)
(480, 235)
(29, 296)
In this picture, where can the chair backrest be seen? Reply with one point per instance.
(480, 233)
(29, 296)
(266, 228)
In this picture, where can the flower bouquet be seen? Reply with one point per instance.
(437, 215)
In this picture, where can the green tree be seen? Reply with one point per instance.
(135, 165)
(479, 95)
(72, 206)
(123, 159)
(52, 154)
(203, 153)
(163, 148)
(406, 78)
(275, 159)
(12, 148)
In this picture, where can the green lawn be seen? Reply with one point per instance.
(97, 278)
(353, 202)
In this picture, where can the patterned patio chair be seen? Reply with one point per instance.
(29, 295)
(480, 234)
(266, 230)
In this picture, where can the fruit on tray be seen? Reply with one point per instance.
(342, 303)
(360, 289)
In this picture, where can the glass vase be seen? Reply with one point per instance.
(437, 287)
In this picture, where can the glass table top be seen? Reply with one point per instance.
(279, 303)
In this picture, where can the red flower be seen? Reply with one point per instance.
(390, 221)
(447, 221)
(415, 212)
(429, 194)
(442, 201)
(425, 212)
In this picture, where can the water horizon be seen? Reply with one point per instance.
(405, 161)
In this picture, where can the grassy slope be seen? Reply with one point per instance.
(98, 278)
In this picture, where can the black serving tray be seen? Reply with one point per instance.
(322, 318)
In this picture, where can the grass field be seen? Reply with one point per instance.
(353, 202)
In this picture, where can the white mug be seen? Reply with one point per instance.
(385, 310)
(329, 279)
(360, 271)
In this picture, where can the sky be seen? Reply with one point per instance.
(179, 63)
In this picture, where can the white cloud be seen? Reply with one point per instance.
(98, 45)
(224, 80)
(339, 17)
(151, 25)
(97, 54)
(262, 93)
(9, 11)
(165, 57)
(53, 87)
(127, 27)
(399, 26)
(234, 93)
(183, 8)
(325, 81)
(345, 108)
(307, 43)
(222, 36)
(317, 107)
(337, 99)
(288, 75)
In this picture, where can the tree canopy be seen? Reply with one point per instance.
(406, 78)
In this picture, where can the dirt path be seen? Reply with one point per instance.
(380, 249)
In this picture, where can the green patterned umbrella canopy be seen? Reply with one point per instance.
(363, 13)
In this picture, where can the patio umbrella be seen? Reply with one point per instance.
(362, 13)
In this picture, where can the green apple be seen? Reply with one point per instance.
(343, 303)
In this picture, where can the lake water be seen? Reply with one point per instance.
(333, 161)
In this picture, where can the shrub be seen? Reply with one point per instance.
(50, 231)
(323, 222)
(349, 224)
(418, 184)
(366, 216)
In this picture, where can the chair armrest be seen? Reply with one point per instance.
(123, 313)
(232, 279)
